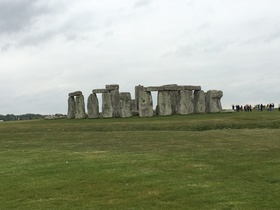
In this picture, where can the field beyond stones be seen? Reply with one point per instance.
(199, 161)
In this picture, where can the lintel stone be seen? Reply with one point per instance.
(100, 91)
(112, 87)
(76, 93)
(172, 88)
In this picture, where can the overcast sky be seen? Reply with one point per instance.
(49, 48)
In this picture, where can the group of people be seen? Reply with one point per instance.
(246, 108)
(260, 107)
(268, 107)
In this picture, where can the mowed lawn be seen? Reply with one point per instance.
(199, 161)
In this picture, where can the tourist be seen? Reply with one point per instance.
(237, 108)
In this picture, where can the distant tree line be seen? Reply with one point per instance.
(28, 116)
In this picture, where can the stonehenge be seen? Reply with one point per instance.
(172, 99)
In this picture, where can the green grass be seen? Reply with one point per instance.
(205, 161)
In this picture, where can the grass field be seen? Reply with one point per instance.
(200, 161)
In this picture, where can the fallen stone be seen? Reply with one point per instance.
(228, 111)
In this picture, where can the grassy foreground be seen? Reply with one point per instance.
(207, 161)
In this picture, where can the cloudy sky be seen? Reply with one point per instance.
(49, 48)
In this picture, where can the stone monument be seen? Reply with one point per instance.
(171, 99)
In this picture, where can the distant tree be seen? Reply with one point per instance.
(28, 116)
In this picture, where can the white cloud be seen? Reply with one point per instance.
(140, 3)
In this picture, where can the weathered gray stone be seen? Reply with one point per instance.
(71, 107)
(164, 103)
(76, 93)
(107, 107)
(137, 90)
(199, 101)
(115, 98)
(185, 102)
(175, 97)
(112, 87)
(80, 107)
(100, 91)
(191, 87)
(125, 104)
(172, 88)
(145, 103)
(93, 106)
(213, 101)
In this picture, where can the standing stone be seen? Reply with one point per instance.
(125, 105)
(71, 107)
(213, 101)
(107, 107)
(93, 106)
(199, 101)
(174, 96)
(115, 98)
(80, 107)
(145, 103)
(137, 90)
(185, 102)
(164, 103)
